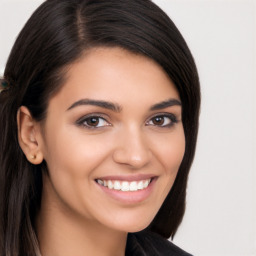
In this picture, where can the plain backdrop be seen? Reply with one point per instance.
(221, 206)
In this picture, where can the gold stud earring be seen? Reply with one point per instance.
(33, 156)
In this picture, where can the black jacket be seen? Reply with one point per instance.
(147, 243)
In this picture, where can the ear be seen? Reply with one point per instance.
(28, 135)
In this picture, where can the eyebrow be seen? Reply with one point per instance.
(166, 104)
(117, 108)
(99, 103)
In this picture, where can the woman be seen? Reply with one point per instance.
(99, 118)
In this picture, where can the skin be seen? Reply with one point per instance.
(76, 215)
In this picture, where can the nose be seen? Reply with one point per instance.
(132, 149)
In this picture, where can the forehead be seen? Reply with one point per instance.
(117, 75)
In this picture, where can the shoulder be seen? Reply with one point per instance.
(147, 243)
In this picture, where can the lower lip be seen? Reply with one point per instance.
(129, 197)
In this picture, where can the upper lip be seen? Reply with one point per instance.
(136, 177)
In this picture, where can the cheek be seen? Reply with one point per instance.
(174, 154)
(74, 151)
(170, 151)
(72, 159)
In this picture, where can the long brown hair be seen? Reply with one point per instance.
(55, 36)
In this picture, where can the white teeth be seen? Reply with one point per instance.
(110, 184)
(117, 185)
(140, 185)
(145, 183)
(133, 186)
(124, 185)
(101, 182)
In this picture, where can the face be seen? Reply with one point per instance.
(113, 140)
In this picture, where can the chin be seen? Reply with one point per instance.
(132, 224)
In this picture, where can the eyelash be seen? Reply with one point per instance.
(172, 120)
(84, 121)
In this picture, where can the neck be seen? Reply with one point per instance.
(61, 233)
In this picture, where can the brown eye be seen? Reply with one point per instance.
(166, 120)
(92, 121)
(158, 120)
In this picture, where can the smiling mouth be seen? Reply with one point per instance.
(124, 185)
